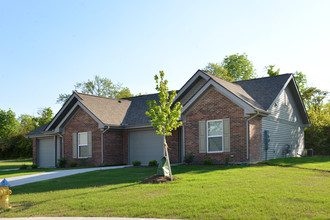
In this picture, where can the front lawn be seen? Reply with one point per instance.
(204, 192)
(320, 163)
(14, 164)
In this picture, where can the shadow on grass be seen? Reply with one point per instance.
(293, 161)
(118, 178)
(12, 164)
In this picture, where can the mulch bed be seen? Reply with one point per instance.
(158, 179)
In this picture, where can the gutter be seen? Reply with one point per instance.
(102, 148)
(247, 133)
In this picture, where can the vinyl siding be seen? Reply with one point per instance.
(285, 128)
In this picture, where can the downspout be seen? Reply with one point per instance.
(62, 138)
(102, 159)
(247, 133)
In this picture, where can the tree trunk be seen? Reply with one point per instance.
(167, 157)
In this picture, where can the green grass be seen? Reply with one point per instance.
(13, 164)
(320, 163)
(204, 192)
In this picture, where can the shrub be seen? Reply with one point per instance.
(227, 160)
(34, 166)
(207, 161)
(136, 163)
(153, 163)
(189, 158)
(23, 167)
(61, 162)
(73, 164)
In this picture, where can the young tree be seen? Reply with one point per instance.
(164, 115)
(99, 87)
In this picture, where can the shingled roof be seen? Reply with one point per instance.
(264, 90)
(259, 93)
(136, 114)
(236, 90)
(38, 131)
(109, 111)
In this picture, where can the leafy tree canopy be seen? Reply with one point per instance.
(271, 72)
(217, 70)
(8, 124)
(100, 87)
(239, 67)
(233, 68)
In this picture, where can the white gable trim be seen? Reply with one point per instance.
(101, 125)
(247, 108)
(191, 81)
(74, 95)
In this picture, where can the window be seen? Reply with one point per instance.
(214, 136)
(82, 145)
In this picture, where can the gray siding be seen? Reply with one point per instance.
(285, 128)
(192, 91)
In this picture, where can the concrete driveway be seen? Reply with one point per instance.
(21, 180)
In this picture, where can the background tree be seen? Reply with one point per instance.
(301, 80)
(317, 136)
(271, 72)
(45, 116)
(233, 68)
(239, 67)
(8, 124)
(100, 87)
(217, 70)
(164, 115)
(13, 144)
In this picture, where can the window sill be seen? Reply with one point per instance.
(214, 152)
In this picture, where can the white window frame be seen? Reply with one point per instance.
(207, 136)
(82, 145)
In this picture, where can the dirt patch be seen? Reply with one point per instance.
(158, 179)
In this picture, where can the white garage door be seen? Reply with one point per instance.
(145, 145)
(46, 154)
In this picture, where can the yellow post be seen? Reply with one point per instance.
(4, 194)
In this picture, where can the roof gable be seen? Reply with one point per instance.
(264, 90)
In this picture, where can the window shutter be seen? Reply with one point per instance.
(90, 148)
(74, 145)
(202, 137)
(226, 134)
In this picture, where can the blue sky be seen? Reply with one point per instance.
(48, 46)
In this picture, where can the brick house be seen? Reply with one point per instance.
(245, 122)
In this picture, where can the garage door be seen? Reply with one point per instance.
(145, 145)
(46, 152)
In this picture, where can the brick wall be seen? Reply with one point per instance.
(211, 106)
(113, 147)
(34, 150)
(255, 141)
(173, 146)
(82, 122)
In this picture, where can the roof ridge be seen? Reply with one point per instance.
(265, 77)
(109, 98)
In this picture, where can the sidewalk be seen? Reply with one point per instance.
(21, 180)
